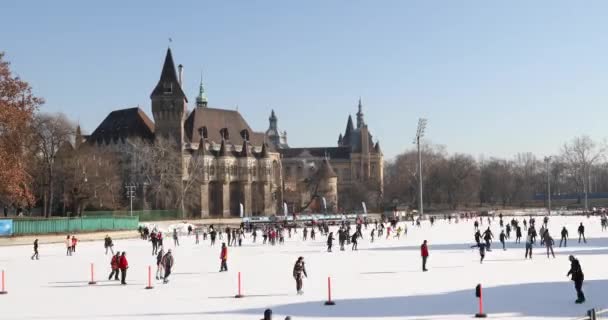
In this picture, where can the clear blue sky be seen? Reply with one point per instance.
(493, 78)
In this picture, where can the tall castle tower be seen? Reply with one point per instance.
(169, 103)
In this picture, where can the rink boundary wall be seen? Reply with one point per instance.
(71, 225)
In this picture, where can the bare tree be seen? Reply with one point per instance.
(580, 155)
(50, 133)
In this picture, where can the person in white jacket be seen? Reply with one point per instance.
(68, 244)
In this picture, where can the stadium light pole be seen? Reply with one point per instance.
(548, 163)
(419, 134)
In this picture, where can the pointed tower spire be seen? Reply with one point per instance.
(245, 150)
(201, 99)
(377, 147)
(168, 84)
(360, 121)
(340, 140)
(78, 137)
(349, 126)
(264, 152)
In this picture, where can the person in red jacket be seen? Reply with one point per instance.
(424, 252)
(224, 257)
(123, 264)
(114, 264)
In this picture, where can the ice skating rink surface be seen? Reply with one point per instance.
(381, 280)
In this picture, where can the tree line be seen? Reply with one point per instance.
(460, 181)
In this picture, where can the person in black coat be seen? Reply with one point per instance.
(581, 233)
(578, 277)
(330, 241)
(35, 255)
(564, 238)
(353, 240)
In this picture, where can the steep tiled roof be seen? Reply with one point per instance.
(122, 124)
(217, 119)
(169, 76)
(326, 171)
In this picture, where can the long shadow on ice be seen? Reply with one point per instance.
(553, 299)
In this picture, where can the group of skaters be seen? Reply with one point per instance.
(529, 225)
(347, 234)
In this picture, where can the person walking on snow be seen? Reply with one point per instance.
(107, 243)
(564, 238)
(175, 238)
(114, 265)
(488, 236)
(581, 233)
(159, 265)
(123, 264)
(299, 272)
(502, 237)
(354, 241)
(330, 241)
(68, 245)
(424, 253)
(529, 244)
(578, 277)
(482, 252)
(224, 257)
(167, 263)
(35, 255)
(549, 244)
(517, 234)
(74, 242)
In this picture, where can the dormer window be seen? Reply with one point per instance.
(167, 88)
(245, 134)
(224, 134)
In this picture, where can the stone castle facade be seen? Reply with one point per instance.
(243, 170)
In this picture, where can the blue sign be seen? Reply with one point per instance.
(6, 228)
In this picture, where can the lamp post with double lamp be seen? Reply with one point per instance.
(130, 194)
(548, 165)
(419, 134)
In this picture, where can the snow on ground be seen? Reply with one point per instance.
(381, 280)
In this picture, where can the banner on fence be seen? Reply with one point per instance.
(6, 227)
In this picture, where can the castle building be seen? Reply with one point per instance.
(237, 169)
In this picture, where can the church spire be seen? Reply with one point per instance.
(201, 99)
(360, 121)
(168, 84)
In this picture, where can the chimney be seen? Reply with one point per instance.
(180, 70)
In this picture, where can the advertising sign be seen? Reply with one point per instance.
(6, 227)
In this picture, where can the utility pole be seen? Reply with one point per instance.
(548, 162)
(130, 194)
(419, 134)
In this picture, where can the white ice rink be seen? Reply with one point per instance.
(381, 280)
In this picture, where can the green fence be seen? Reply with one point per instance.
(144, 215)
(66, 225)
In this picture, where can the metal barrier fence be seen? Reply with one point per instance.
(67, 225)
(594, 314)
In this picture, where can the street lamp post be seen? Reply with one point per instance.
(419, 134)
(130, 194)
(548, 162)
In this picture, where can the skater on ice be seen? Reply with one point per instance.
(224, 258)
(578, 277)
(424, 253)
(299, 272)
